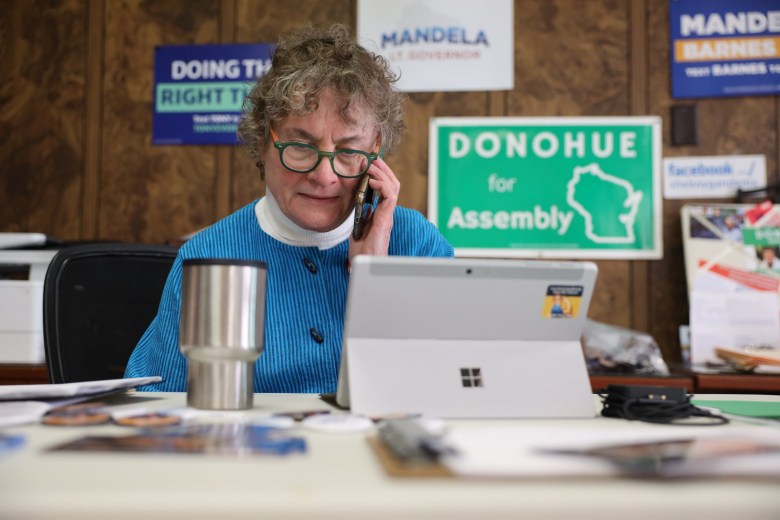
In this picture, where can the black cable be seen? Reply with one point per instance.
(653, 406)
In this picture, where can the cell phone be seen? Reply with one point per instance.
(365, 203)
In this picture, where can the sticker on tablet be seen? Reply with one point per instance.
(562, 301)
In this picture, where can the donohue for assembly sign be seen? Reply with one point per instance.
(564, 187)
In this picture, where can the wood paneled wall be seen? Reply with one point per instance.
(76, 159)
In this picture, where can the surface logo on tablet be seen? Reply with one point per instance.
(471, 377)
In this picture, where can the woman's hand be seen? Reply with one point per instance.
(375, 239)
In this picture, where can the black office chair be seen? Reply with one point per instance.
(98, 299)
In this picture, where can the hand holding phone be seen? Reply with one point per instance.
(365, 203)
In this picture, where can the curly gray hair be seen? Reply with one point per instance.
(306, 63)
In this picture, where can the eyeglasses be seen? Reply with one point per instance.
(303, 158)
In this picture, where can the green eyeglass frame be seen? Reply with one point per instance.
(370, 157)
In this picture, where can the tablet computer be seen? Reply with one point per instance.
(456, 337)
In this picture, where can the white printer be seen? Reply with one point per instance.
(22, 273)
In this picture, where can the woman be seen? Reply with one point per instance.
(321, 118)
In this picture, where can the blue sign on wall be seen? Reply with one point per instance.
(724, 47)
(199, 90)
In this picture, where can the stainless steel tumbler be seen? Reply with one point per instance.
(221, 330)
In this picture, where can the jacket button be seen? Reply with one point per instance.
(310, 265)
(316, 335)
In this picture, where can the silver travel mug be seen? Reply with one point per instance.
(221, 330)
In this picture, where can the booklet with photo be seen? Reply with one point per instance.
(741, 236)
(64, 390)
(25, 404)
(236, 439)
(684, 457)
(732, 262)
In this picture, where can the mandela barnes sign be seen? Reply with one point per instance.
(547, 187)
(724, 47)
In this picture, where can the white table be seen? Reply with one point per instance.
(339, 477)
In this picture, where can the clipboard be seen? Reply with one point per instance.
(398, 468)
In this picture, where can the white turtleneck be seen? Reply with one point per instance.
(274, 222)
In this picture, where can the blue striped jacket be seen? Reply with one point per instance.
(305, 305)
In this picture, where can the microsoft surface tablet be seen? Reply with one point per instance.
(466, 337)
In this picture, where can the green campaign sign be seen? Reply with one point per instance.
(581, 187)
(763, 236)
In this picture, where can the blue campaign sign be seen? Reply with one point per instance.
(199, 90)
(724, 47)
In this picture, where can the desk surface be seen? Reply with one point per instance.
(339, 477)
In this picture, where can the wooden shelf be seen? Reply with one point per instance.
(23, 374)
(738, 383)
(600, 381)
